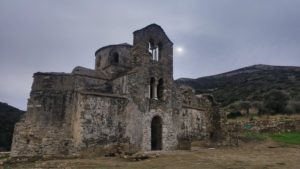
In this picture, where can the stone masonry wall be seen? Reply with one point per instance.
(101, 120)
(267, 125)
(45, 128)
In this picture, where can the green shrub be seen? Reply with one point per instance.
(275, 102)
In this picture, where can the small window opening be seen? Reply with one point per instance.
(152, 88)
(189, 100)
(115, 58)
(160, 89)
(150, 47)
(159, 50)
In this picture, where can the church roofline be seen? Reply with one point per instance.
(78, 70)
(154, 25)
(115, 45)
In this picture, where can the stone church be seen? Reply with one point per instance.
(129, 99)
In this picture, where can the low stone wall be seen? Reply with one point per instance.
(231, 130)
(267, 125)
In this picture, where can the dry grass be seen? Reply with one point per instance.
(265, 154)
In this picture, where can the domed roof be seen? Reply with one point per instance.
(112, 46)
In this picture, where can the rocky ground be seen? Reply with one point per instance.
(258, 155)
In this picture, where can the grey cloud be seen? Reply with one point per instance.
(217, 35)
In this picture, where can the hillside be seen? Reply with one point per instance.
(8, 117)
(248, 83)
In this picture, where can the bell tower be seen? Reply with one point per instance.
(152, 54)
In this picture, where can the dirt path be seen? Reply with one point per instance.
(266, 155)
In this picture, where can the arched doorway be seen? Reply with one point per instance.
(156, 133)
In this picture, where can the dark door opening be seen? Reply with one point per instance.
(156, 133)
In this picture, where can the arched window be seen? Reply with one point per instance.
(153, 50)
(156, 53)
(160, 89)
(115, 58)
(151, 47)
(156, 133)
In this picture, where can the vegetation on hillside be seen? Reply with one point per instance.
(268, 89)
(249, 83)
(8, 117)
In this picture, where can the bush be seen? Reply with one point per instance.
(275, 102)
(293, 107)
(239, 106)
(233, 115)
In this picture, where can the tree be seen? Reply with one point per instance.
(276, 101)
(245, 105)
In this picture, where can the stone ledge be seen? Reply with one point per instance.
(192, 107)
(102, 94)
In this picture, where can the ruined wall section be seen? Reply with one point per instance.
(107, 120)
(191, 116)
(92, 84)
(192, 124)
(45, 128)
(120, 85)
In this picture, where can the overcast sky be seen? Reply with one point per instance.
(216, 36)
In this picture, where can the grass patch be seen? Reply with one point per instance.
(289, 138)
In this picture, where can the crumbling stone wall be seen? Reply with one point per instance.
(48, 112)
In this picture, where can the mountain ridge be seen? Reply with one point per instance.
(247, 83)
(9, 115)
(256, 66)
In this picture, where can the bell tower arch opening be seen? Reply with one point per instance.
(156, 133)
(160, 89)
